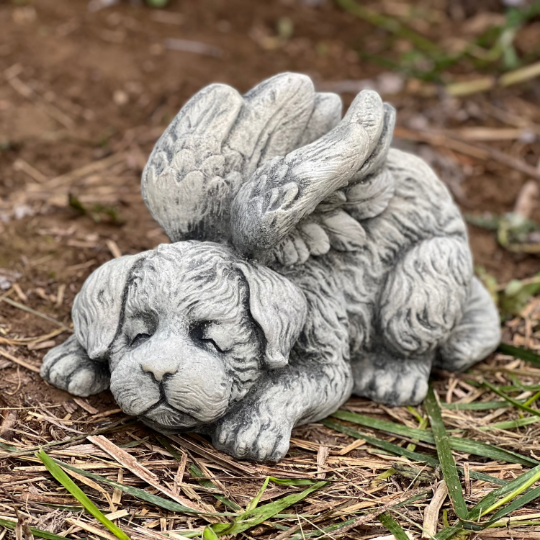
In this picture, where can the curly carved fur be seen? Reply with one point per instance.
(364, 277)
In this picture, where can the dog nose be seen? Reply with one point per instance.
(159, 370)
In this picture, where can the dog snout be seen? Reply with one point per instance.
(159, 369)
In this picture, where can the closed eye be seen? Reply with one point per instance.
(198, 333)
(139, 339)
(212, 343)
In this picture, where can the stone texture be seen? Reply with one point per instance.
(309, 261)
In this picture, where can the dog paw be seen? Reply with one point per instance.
(252, 439)
(393, 382)
(68, 367)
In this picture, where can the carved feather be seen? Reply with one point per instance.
(336, 181)
(218, 140)
(275, 172)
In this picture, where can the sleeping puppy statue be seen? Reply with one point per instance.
(309, 261)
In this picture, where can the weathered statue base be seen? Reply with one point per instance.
(309, 262)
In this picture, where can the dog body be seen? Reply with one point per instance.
(409, 294)
(340, 267)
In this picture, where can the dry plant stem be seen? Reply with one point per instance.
(51, 110)
(474, 150)
(85, 170)
(34, 312)
(431, 516)
(322, 456)
(19, 361)
(130, 463)
(527, 199)
(483, 84)
(72, 440)
(31, 171)
(372, 515)
(98, 531)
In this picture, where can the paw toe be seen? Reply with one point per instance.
(84, 383)
(280, 451)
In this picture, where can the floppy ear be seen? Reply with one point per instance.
(98, 307)
(279, 307)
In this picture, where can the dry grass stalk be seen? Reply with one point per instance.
(130, 463)
(431, 515)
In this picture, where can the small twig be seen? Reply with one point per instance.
(19, 361)
(85, 170)
(431, 516)
(474, 150)
(195, 47)
(34, 312)
(128, 461)
(483, 84)
(322, 456)
(32, 172)
(24, 90)
(114, 249)
(72, 440)
(527, 199)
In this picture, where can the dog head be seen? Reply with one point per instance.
(187, 329)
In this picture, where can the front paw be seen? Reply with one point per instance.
(68, 367)
(386, 379)
(248, 436)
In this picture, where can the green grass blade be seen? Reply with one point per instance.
(482, 406)
(68, 483)
(205, 482)
(255, 501)
(393, 526)
(532, 399)
(254, 517)
(379, 443)
(293, 481)
(9, 447)
(460, 444)
(169, 447)
(514, 402)
(489, 500)
(209, 534)
(521, 353)
(514, 494)
(36, 532)
(516, 504)
(511, 424)
(337, 526)
(139, 493)
(404, 452)
(520, 523)
(512, 387)
(448, 533)
(444, 451)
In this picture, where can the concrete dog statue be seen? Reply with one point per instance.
(308, 261)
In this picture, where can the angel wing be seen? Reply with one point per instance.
(218, 140)
(275, 172)
(314, 198)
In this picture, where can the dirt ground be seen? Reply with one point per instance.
(85, 93)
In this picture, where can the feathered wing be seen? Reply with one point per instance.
(313, 198)
(218, 140)
(275, 172)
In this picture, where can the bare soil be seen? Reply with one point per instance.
(81, 88)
